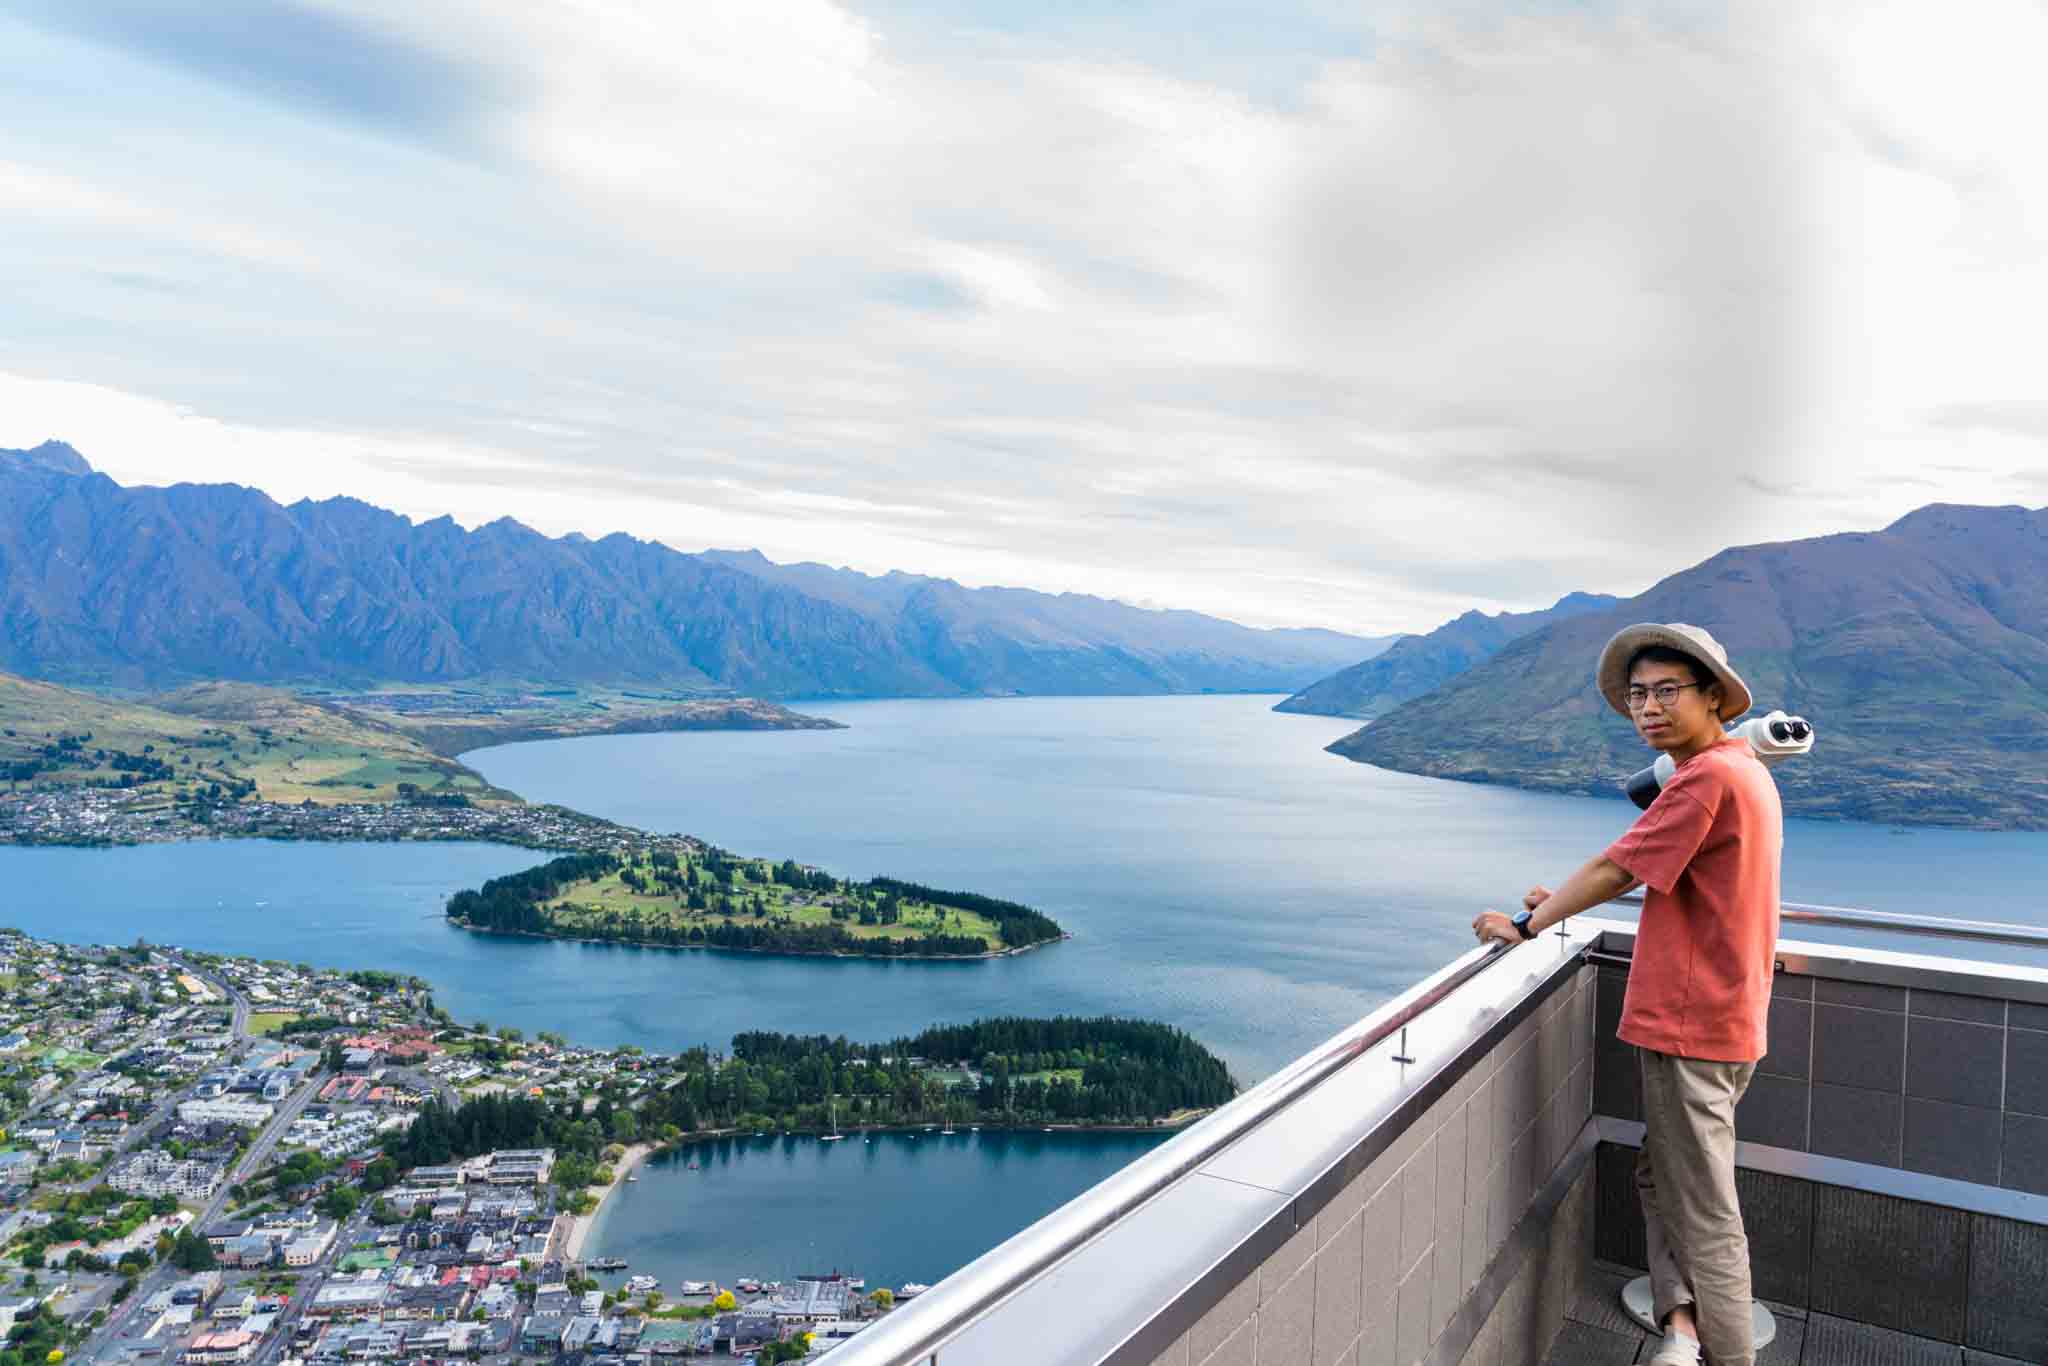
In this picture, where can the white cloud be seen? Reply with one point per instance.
(1488, 309)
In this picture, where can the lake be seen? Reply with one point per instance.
(1218, 871)
(892, 1208)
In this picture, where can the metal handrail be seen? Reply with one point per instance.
(918, 1331)
(1935, 926)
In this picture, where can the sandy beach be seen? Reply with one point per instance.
(572, 1248)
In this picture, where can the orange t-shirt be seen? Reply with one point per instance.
(1707, 854)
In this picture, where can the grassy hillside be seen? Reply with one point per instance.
(634, 909)
(686, 894)
(456, 718)
(1920, 653)
(240, 739)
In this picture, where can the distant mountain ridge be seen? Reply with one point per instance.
(152, 587)
(1920, 652)
(1415, 665)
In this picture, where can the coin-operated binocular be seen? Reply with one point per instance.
(1773, 738)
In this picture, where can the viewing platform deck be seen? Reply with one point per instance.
(1449, 1180)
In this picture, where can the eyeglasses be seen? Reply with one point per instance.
(1665, 693)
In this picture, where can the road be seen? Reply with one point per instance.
(259, 1151)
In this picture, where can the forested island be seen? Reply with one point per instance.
(690, 895)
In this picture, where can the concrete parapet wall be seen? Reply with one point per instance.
(1379, 1267)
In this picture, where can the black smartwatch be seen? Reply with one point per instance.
(1520, 920)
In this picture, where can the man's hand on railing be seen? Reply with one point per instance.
(1491, 925)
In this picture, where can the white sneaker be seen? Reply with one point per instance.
(1677, 1350)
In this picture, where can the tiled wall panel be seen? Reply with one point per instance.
(2008, 1308)
(1373, 1277)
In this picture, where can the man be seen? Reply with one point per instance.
(1700, 986)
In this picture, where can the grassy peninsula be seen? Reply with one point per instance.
(234, 759)
(692, 895)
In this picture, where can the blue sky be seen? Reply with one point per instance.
(1327, 314)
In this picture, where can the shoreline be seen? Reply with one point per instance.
(579, 1230)
(582, 1225)
(1064, 935)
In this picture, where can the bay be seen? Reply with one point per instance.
(893, 1208)
(1217, 869)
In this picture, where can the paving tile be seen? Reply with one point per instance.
(1452, 1159)
(1851, 1122)
(1290, 1257)
(2023, 1157)
(1287, 1320)
(1237, 1349)
(1773, 1111)
(1832, 1341)
(1515, 1311)
(1617, 1209)
(1597, 1302)
(1617, 1081)
(1223, 1318)
(1418, 1206)
(1889, 1262)
(1485, 1348)
(1339, 1298)
(1777, 1215)
(2008, 1288)
(2026, 1071)
(1788, 1348)
(1382, 1274)
(1955, 1062)
(1791, 986)
(1789, 1031)
(1863, 1048)
(1864, 995)
(1956, 1141)
(1581, 1344)
(1376, 1343)
(1176, 1355)
(1411, 1323)
(1944, 1005)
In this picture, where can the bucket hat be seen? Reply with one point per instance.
(1675, 635)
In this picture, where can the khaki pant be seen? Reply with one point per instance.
(1699, 1254)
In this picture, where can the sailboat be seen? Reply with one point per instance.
(835, 1135)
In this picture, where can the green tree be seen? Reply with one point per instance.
(192, 1253)
(340, 1203)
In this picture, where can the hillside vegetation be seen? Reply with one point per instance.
(217, 742)
(1920, 653)
(698, 896)
(1415, 665)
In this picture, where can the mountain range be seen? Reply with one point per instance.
(149, 587)
(1414, 665)
(1919, 652)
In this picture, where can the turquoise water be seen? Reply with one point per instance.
(1217, 869)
